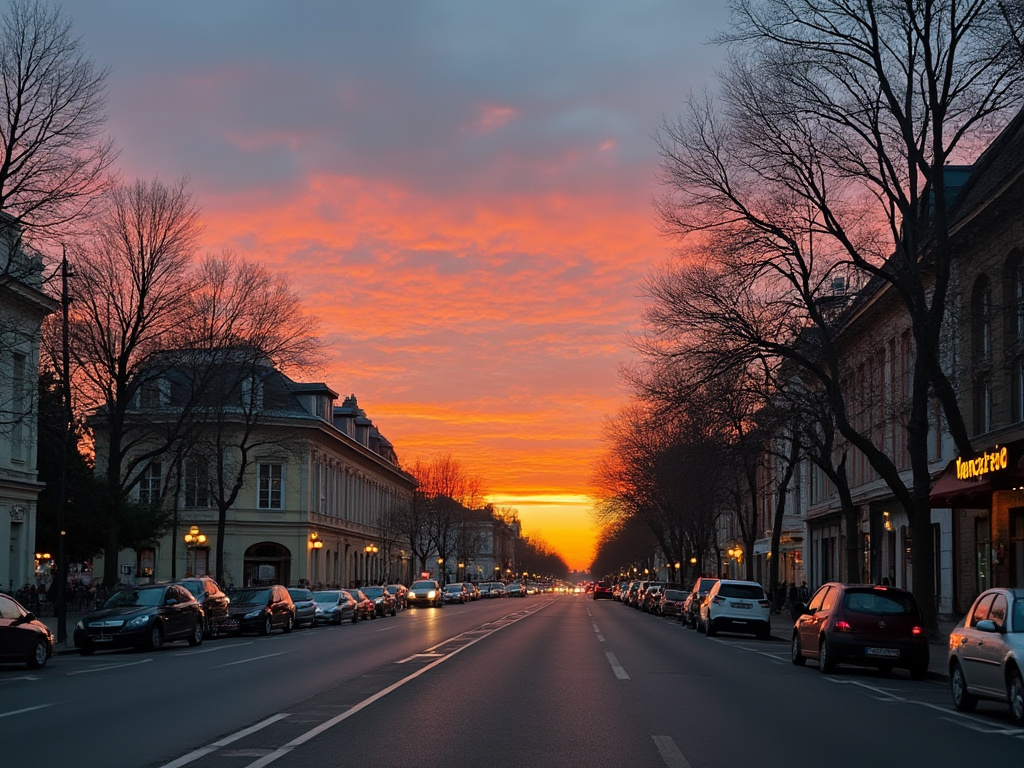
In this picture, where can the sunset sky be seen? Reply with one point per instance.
(460, 191)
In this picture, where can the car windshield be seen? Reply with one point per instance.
(326, 598)
(706, 584)
(252, 596)
(133, 598)
(392, 588)
(674, 594)
(744, 591)
(300, 594)
(453, 588)
(423, 585)
(195, 587)
(356, 594)
(373, 592)
(881, 603)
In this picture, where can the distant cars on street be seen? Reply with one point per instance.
(986, 653)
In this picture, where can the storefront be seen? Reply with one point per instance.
(986, 494)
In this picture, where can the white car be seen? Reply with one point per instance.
(986, 652)
(736, 606)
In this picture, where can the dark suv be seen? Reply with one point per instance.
(212, 602)
(861, 624)
(263, 609)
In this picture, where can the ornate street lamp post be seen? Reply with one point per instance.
(194, 538)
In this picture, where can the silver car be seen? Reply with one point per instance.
(986, 653)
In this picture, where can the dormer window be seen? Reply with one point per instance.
(153, 394)
(252, 394)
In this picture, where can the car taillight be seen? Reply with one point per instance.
(843, 626)
(916, 631)
(765, 603)
(717, 600)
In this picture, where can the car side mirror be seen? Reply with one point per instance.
(171, 601)
(28, 617)
(987, 625)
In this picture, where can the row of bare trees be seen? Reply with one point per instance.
(819, 168)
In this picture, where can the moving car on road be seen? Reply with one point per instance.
(425, 592)
(986, 653)
(145, 617)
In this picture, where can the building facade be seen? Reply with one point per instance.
(23, 306)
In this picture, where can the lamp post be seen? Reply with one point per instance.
(440, 571)
(371, 550)
(193, 539)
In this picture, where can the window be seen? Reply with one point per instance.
(271, 486)
(153, 394)
(19, 408)
(981, 321)
(149, 484)
(196, 481)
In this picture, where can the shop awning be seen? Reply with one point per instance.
(949, 491)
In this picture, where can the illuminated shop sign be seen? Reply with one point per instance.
(990, 461)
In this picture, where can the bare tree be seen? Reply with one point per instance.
(127, 312)
(54, 159)
(828, 159)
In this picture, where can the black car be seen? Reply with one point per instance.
(398, 591)
(23, 638)
(263, 609)
(383, 601)
(213, 603)
(145, 617)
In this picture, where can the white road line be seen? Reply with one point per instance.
(211, 650)
(196, 754)
(327, 725)
(620, 673)
(23, 711)
(106, 667)
(670, 752)
(246, 661)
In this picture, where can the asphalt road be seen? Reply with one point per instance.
(542, 681)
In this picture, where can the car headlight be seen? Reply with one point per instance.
(254, 614)
(431, 594)
(80, 624)
(138, 621)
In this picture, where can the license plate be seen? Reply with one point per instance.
(886, 652)
(742, 605)
(103, 639)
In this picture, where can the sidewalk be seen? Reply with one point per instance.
(72, 619)
(782, 629)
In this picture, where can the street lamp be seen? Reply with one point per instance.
(315, 542)
(193, 539)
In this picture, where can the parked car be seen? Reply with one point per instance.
(670, 602)
(471, 590)
(691, 606)
(305, 606)
(603, 591)
(651, 596)
(425, 592)
(335, 606)
(365, 609)
(515, 589)
(213, 603)
(23, 638)
(986, 653)
(454, 593)
(399, 592)
(263, 609)
(145, 617)
(861, 624)
(736, 606)
(498, 589)
(383, 601)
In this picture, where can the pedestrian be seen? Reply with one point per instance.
(804, 593)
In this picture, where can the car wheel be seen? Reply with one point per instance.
(156, 638)
(1015, 693)
(289, 624)
(394, 611)
(825, 663)
(268, 625)
(698, 624)
(709, 628)
(795, 654)
(196, 638)
(40, 653)
(962, 699)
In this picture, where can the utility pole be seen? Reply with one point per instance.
(68, 425)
